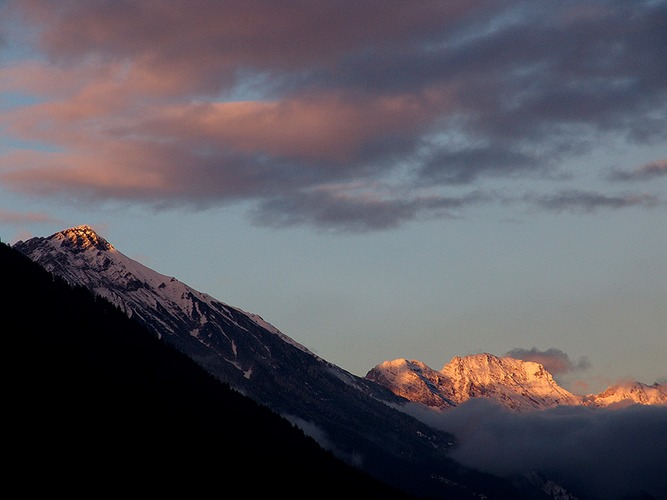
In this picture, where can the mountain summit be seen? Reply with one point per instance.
(514, 383)
(517, 385)
(628, 393)
(83, 237)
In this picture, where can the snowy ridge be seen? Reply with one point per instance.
(515, 384)
(414, 381)
(629, 392)
(518, 385)
(93, 262)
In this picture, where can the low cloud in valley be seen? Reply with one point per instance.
(597, 453)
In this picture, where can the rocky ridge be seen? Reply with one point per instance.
(515, 384)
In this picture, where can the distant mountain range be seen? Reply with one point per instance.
(359, 419)
(515, 384)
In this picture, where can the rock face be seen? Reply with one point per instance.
(515, 384)
(414, 381)
(518, 385)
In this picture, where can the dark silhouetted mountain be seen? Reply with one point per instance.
(354, 417)
(95, 404)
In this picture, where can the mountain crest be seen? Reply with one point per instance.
(486, 368)
(82, 238)
(516, 384)
(629, 392)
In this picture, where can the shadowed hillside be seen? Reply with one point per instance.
(96, 404)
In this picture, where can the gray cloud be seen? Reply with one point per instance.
(554, 360)
(349, 211)
(320, 436)
(593, 453)
(646, 172)
(452, 166)
(587, 201)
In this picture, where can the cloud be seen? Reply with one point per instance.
(202, 103)
(576, 200)
(466, 165)
(646, 172)
(593, 453)
(344, 208)
(554, 360)
(320, 436)
(20, 218)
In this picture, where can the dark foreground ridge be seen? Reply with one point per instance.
(95, 404)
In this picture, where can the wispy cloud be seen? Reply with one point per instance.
(589, 201)
(21, 218)
(20, 221)
(318, 434)
(345, 208)
(202, 104)
(646, 172)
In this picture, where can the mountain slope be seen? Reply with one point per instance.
(515, 384)
(241, 349)
(94, 401)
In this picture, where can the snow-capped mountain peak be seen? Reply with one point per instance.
(518, 385)
(414, 381)
(82, 238)
(629, 392)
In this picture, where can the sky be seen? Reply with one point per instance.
(377, 179)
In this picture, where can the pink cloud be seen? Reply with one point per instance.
(326, 127)
(20, 218)
(186, 37)
(101, 138)
(655, 168)
(203, 102)
(647, 171)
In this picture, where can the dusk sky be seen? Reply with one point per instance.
(377, 179)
